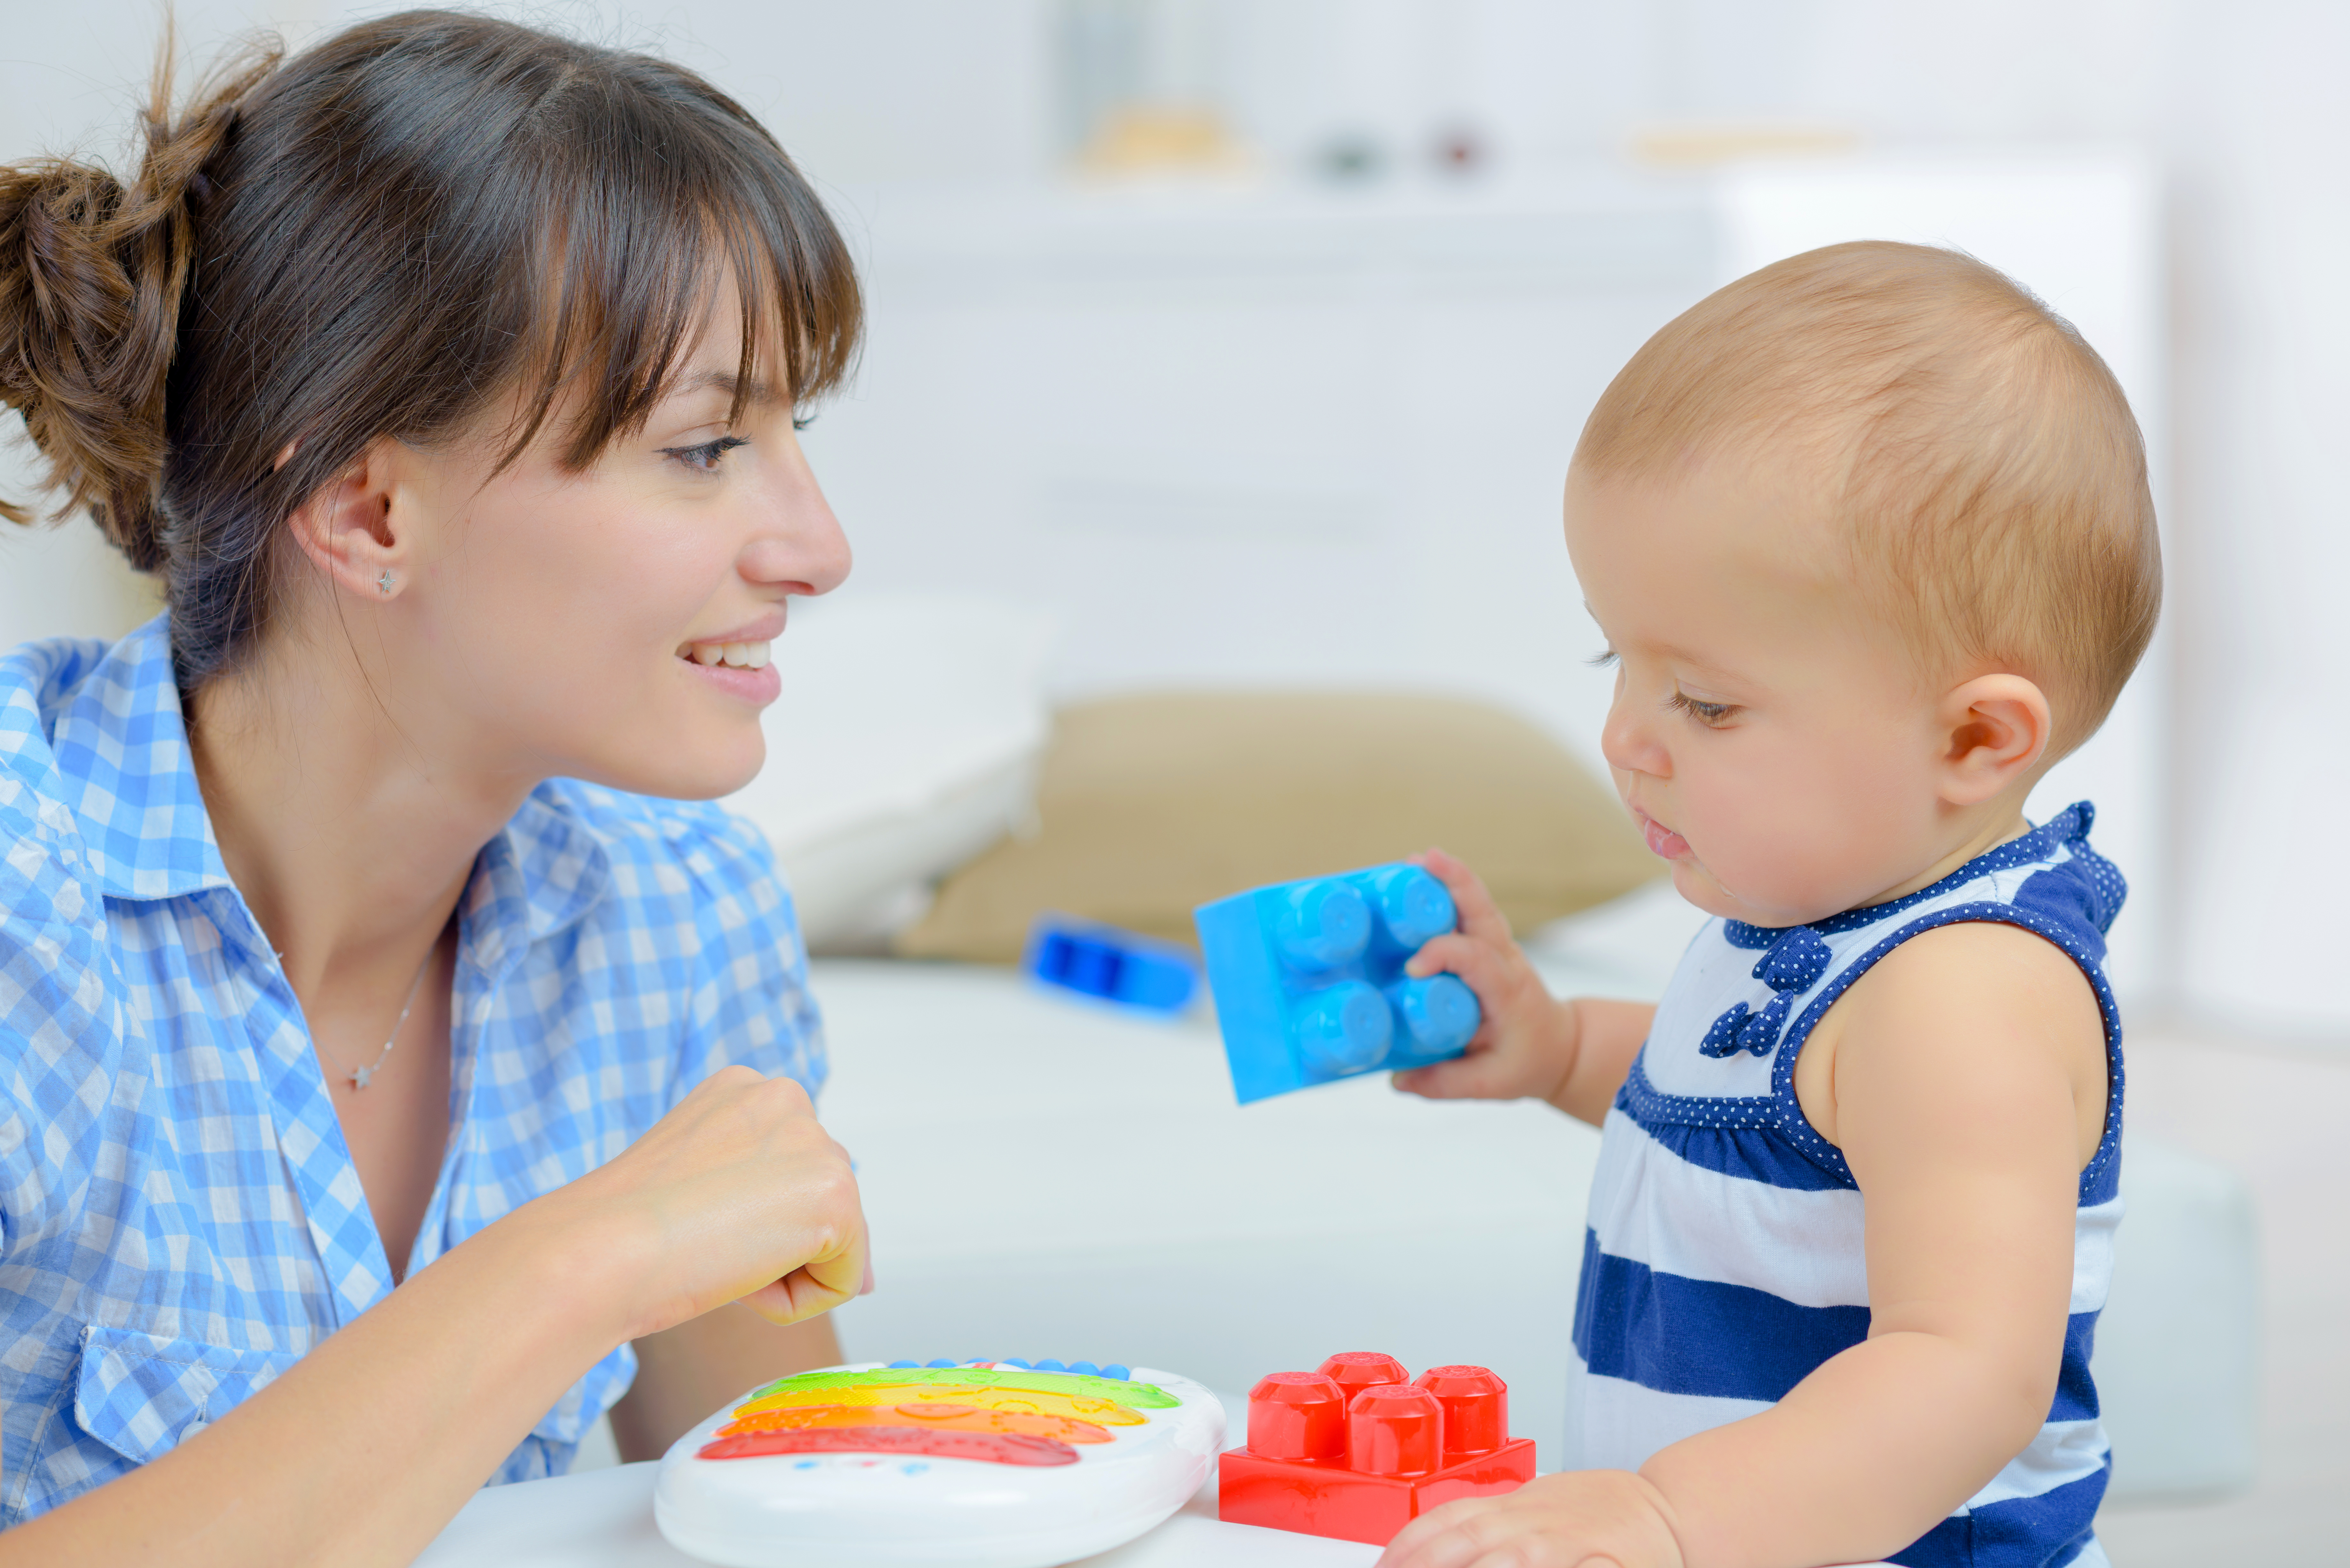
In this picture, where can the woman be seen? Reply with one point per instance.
(445, 373)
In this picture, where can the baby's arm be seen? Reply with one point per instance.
(1967, 1070)
(1574, 1054)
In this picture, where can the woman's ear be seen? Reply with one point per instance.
(1996, 728)
(350, 530)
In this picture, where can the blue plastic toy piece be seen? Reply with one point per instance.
(1309, 983)
(1107, 964)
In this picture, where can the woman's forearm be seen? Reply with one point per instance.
(685, 1373)
(368, 1445)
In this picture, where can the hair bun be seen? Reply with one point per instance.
(92, 274)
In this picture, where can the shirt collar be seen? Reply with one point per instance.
(121, 749)
(121, 746)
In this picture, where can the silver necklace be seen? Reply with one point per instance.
(361, 1076)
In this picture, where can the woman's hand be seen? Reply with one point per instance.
(737, 1194)
(1526, 1043)
(1576, 1518)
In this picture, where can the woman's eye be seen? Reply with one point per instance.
(706, 458)
(802, 422)
(1703, 713)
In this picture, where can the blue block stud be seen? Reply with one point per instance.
(1049, 1365)
(1120, 1370)
(1103, 963)
(1309, 983)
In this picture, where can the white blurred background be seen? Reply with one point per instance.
(1250, 338)
(1247, 341)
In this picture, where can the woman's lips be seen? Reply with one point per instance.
(761, 686)
(1663, 840)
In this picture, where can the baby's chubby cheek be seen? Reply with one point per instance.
(1799, 834)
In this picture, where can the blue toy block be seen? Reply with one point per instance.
(1309, 983)
(1107, 964)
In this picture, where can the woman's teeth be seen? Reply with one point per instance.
(741, 655)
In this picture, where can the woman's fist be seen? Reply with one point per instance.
(737, 1194)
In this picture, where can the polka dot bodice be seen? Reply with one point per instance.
(1729, 1031)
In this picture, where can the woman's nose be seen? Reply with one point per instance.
(801, 547)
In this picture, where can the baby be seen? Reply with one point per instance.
(1869, 537)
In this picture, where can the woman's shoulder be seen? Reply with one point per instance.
(38, 683)
(45, 862)
(697, 878)
(61, 1027)
(699, 836)
(676, 849)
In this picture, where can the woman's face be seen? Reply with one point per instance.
(615, 625)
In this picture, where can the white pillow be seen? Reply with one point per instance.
(906, 740)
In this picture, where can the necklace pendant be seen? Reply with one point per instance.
(360, 1076)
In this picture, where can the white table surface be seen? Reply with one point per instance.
(604, 1518)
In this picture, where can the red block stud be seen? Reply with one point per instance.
(1297, 1415)
(1476, 1409)
(1356, 1370)
(1395, 1430)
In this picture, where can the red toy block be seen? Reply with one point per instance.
(1354, 1452)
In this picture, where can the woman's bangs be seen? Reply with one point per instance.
(631, 273)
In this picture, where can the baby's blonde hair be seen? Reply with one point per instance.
(1982, 464)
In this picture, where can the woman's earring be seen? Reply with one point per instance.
(383, 584)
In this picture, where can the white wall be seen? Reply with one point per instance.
(2244, 102)
(2241, 102)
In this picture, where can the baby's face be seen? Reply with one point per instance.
(1772, 740)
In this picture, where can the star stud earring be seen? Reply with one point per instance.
(383, 584)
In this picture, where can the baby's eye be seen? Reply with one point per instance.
(706, 458)
(1709, 714)
(1605, 659)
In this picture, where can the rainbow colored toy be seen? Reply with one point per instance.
(1007, 1464)
(1309, 983)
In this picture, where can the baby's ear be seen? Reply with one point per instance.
(1997, 729)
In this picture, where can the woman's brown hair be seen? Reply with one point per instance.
(378, 237)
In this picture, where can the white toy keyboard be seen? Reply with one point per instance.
(997, 1464)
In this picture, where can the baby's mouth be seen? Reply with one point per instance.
(740, 655)
(1662, 840)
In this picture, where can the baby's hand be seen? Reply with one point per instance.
(1526, 1044)
(1576, 1518)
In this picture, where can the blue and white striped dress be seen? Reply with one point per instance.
(1724, 1258)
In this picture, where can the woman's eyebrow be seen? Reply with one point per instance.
(754, 392)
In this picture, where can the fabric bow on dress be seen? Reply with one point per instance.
(1796, 959)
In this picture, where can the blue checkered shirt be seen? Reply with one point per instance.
(179, 1217)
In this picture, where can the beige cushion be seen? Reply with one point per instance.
(1150, 806)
